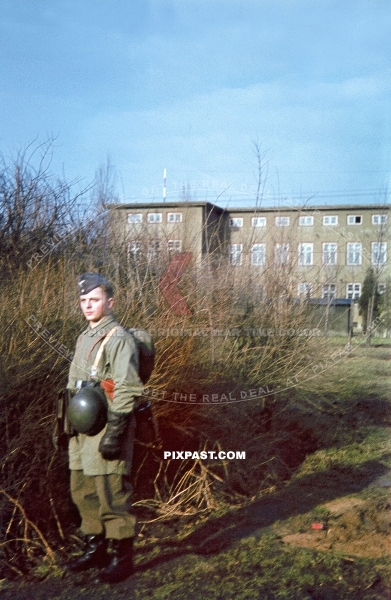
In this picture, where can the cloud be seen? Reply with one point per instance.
(308, 130)
(188, 85)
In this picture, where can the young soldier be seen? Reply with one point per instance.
(100, 464)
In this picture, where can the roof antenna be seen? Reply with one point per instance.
(164, 184)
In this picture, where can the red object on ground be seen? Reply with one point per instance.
(317, 525)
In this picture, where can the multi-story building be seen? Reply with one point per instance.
(327, 250)
(152, 230)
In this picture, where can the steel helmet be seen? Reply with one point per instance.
(87, 410)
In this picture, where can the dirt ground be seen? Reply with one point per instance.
(339, 509)
(351, 524)
(354, 526)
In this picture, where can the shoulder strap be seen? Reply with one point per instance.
(94, 368)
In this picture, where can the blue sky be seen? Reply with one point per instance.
(189, 85)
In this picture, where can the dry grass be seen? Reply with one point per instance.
(40, 320)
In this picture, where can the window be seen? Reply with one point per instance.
(306, 254)
(236, 222)
(154, 217)
(328, 291)
(282, 254)
(354, 220)
(282, 221)
(154, 248)
(174, 245)
(379, 219)
(379, 253)
(135, 218)
(354, 253)
(330, 220)
(329, 255)
(174, 217)
(305, 290)
(258, 254)
(258, 221)
(235, 254)
(134, 249)
(381, 288)
(306, 221)
(353, 291)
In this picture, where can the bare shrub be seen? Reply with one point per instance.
(236, 338)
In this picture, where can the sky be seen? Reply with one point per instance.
(194, 86)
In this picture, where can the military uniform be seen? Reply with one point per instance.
(100, 477)
(119, 362)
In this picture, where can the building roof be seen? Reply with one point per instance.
(307, 208)
(250, 209)
(170, 204)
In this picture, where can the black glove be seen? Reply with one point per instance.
(110, 444)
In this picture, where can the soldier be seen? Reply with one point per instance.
(100, 464)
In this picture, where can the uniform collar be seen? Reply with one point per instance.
(100, 329)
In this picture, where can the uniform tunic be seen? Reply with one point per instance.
(118, 362)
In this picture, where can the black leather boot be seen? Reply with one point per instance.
(95, 555)
(121, 564)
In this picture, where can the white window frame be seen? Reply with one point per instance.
(258, 255)
(329, 290)
(174, 245)
(154, 249)
(281, 253)
(379, 219)
(236, 222)
(235, 254)
(306, 221)
(306, 254)
(258, 222)
(379, 253)
(282, 221)
(354, 249)
(329, 253)
(135, 248)
(155, 217)
(330, 220)
(174, 217)
(353, 291)
(304, 289)
(135, 218)
(352, 220)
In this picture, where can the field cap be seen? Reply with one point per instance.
(89, 281)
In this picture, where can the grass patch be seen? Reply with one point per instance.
(375, 446)
(352, 376)
(266, 548)
(266, 568)
(257, 567)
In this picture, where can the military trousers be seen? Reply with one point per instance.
(104, 504)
